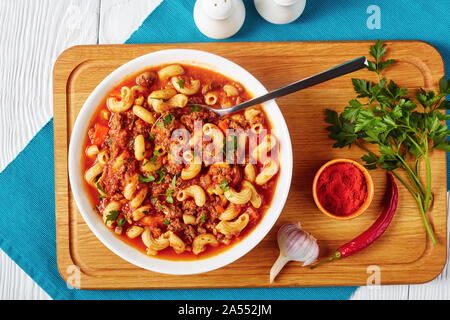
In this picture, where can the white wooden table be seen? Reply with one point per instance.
(32, 35)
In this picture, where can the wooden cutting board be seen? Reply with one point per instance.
(402, 255)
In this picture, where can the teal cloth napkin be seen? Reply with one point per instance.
(27, 207)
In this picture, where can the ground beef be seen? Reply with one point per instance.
(173, 212)
(172, 167)
(141, 127)
(162, 137)
(238, 122)
(146, 79)
(231, 173)
(189, 207)
(161, 188)
(189, 233)
(203, 116)
(195, 100)
(175, 225)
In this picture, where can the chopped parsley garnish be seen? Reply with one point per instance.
(174, 181)
(195, 109)
(160, 206)
(153, 159)
(229, 145)
(202, 218)
(151, 137)
(181, 83)
(161, 174)
(121, 222)
(198, 151)
(112, 216)
(101, 197)
(224, 185)
(99, 187)
(166, 222)
(150, 178)
(168, 119)
(159, 124)
(168, 195)
(169, 198)
(109, 140)
(153, 201)
(234, 142)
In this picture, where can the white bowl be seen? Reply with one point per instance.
(93, 219)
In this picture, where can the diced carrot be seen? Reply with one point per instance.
(219, 209)
(223, 126)
(100, 134)
(152, 220)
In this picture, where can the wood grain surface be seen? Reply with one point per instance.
(113, 20)
(404, 254)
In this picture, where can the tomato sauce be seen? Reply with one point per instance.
(266, 191)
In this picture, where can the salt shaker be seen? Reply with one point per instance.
(280, 11)
(219, 19)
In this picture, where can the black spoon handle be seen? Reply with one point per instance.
(332, 73)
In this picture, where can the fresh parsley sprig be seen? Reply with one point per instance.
(405, 133)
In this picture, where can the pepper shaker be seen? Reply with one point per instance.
(280, 11)
(219, 19)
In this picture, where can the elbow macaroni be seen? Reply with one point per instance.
(92, 151)
(230, 212)
(201, 241)
(92, 173)
(180, 85)
(262, 149)
(194, 204)
(154, 245)
(233, 228)
(211, 98)
(139, 198)
(249, 172)
(255, 198)
(144, 114)
(170, 71)
(194, 167)
(241, 197)
(125, 103)
(112, 206)
(176, 243)
(230, 90)
(139, 147)
(195, 192)
(270, 169)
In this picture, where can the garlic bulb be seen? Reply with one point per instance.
(295, 245)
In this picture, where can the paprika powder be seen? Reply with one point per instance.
(342, 188)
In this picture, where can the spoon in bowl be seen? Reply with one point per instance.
(329, 74)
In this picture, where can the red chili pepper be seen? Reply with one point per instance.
(376, 229)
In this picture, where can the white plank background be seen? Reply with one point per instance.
(33, 34)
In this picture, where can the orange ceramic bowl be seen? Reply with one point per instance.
(364, 205)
